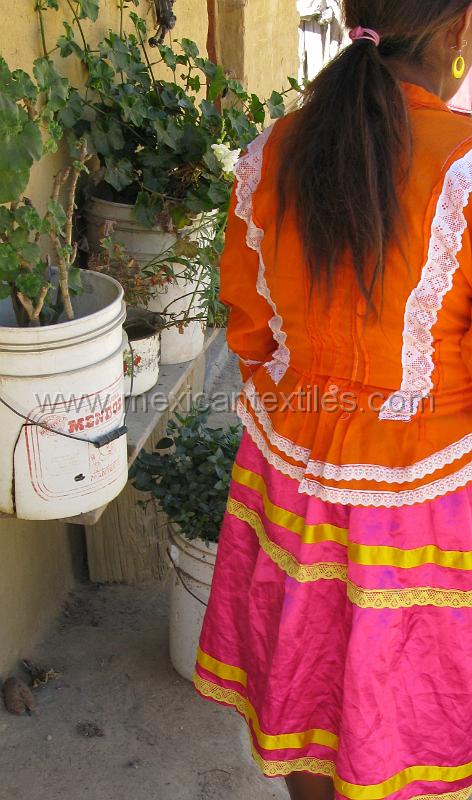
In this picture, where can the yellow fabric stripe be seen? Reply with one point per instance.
(220, 669)
(283, 741)
(377, 555)
(379, 791)
(304, 573)
(366, 555)
(364, 598)
(310, 534)
(402, 779)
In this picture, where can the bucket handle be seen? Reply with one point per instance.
(101, 441)
(179, 574)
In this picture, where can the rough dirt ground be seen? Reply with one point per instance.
(160, 740)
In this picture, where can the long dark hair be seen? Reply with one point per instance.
(349, 148)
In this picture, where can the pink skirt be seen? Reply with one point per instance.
(343, 636)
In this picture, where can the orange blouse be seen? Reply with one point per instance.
(360, 411)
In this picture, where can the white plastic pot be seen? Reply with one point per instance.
(69, 378)
(144, 245)
(179, 345)
(142, 363)
(192, 576)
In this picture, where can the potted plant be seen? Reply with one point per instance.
(189, 474)
(141, 357)
(61, 397)
(166, 149)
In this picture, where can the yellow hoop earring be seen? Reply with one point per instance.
(458, 67)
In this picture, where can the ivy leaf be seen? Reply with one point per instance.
(217, 84)
(218, 193)
(210, 113)
(295, 85)
(147, 208)
(53, 4)
(190, 48)
(9, 262)
(107, 136)
(75, 280)
(194, 144)
(195, 83)
(73, 111)
(88, 9)
(67, 43)
(138, 22)
(257, 109)
(49, 81)
(5, 218)
(168, 56)
(27, 217)
(101, 76)
(57, 215)
(238, 90)
(22, 86)
(20, 145)
(29, 284)
(170, 135)
(31, 252)
(276, 105)
(119, 173)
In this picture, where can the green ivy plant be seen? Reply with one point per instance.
(190, 472)
(30, 107)
(165, 145)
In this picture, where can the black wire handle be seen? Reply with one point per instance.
(102, 440)
(179, 574)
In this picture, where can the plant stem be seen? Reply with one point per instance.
(121, 19)
(39, 10)
(77, 21)
(149, 65)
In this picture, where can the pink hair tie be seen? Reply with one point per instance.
(365, 33)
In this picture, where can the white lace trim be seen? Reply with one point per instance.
(250, 363)
(286, 446)
(356, 472)
(297, 473)
(248, 173)
(410, 497)
(425, 302)
(353, 497)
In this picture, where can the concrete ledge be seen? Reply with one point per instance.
(144, 413)
(143, 416)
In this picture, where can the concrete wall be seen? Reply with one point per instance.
(258, 42)
(39, 564)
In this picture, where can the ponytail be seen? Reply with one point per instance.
(342, 165)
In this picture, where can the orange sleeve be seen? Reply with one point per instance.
(248, 335)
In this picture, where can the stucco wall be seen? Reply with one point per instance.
(258, 42)
(39, 563)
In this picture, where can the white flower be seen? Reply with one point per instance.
(227, 158)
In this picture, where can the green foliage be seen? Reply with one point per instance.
(30, 127)
(191, 478)
(154, 136)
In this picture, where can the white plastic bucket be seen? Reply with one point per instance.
(142, 363)
(179, 345)
(144, 245)
(195, 563)
(69, 378)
